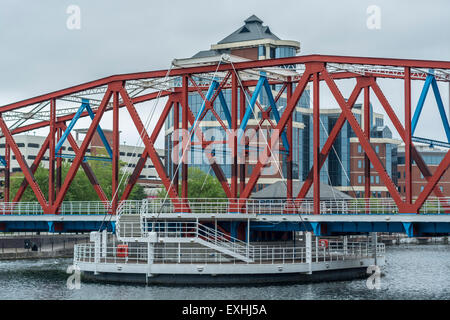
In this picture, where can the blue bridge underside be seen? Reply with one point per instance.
(238, 229)
(56, 227)
(419, 229)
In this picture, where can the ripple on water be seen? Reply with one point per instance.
(411, 272)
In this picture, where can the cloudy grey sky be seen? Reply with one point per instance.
(40, 54)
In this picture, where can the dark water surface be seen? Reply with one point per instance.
(411, 272)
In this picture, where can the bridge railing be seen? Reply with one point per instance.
(282, 206)
(67, 208)
(225, 206)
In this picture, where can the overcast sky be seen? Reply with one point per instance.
(40, 54)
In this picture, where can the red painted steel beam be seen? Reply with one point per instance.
(149, 143)
(428, 175)
(134, 175)
(115, 150)
(221, 87)
(256, 102)
(234, 127)
(401, 131)
(24, 166)
(288, 87)
(42, 124)
(33, 169)
(145, 154)
(367, 123)
(408, 138)
(216, 168)
(176, 141)
(441, 169)
(222, 124)
(364, 141)
(82, 150)
(58, 162)
(51, 158)
(280, 92)
(136, 100)
(264, 155)
(185, 141)
(242, 173)
(329, 143)
(195, 86)
(87, 168)
(387, 107)
(316, 141)
(150, 96)
(429, 64)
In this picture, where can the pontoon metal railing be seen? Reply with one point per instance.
(183, 231)
(166, 254)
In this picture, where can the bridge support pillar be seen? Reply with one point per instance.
(96, 238)
(345, 244)
(104, 236)
(151, 253)
(308, 250)
(374, 242)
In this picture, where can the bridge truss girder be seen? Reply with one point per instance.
(129, 90)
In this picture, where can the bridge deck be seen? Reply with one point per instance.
(336, 217)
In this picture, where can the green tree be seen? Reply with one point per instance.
(41, 176)
(201, 185)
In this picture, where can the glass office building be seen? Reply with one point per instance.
(254, 41)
